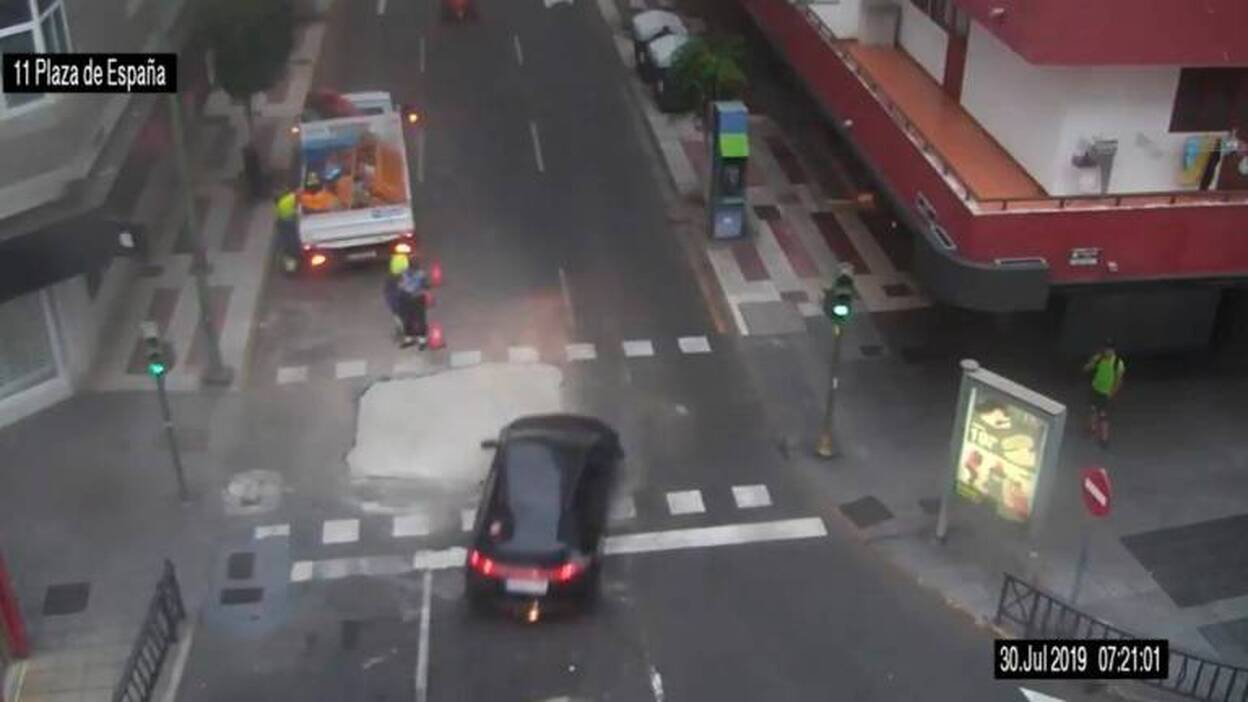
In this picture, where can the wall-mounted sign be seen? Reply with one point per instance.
(1085, 257)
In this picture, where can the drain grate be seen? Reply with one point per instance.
(866, 513)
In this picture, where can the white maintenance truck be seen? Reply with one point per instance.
(355, 199)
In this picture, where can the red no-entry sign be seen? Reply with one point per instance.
(1096, 490)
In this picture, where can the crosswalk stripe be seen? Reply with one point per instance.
(748, 496)
(412, 525)
(271, 530)
(522, 354)
(356, 368)
(462, 359)
(638, 348)
(466, 518)
(412, 366)
(694, 344)
(685, 502)
(340, 531)
(292, 374)
(581, 352)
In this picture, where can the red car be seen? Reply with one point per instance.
(459, 10)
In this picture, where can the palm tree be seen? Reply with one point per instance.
(710, 69)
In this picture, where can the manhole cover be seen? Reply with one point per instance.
(253, 492)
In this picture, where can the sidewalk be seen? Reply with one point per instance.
(87, 522)
(1169, 561)
(237, 235)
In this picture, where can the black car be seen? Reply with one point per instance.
(539, 530)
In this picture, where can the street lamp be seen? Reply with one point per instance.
(838, 306)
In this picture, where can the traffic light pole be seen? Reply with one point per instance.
(217, 373)
(167, 417)
(828, 447)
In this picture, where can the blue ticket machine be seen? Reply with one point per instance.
(730, 148)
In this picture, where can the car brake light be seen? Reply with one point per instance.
(318, 259)
(403, 248)
(566, 572)
(480, 563)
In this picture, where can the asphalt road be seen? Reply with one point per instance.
(550, 240)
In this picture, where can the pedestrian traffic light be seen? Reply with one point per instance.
(838, 300)
(154, 350)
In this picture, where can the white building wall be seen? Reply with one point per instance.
(924, 40)
(841, 16)
(1040, 115)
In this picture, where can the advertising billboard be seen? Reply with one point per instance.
(999, 460)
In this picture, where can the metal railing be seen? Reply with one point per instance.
(961, 186)
(159, 632)
(1038, 614)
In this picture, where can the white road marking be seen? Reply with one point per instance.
(567, 296)
(727, 535)
(515, 38)
(412, 366)
(340, 531)
(537, 146)
(422, 653)
(292, 374)
(522, 354)
(381, 7)
(179, 663)
(467, 516)
(463, 359)
(809, 309)
(412, 525)
(552, 3)
(694, 344)
(581, 352)
(748, 496)
(422, 53)
(1033, 696)
(645, 542)
(656, 684)
(420, 155)
(351, 369)
(685, 502)
(623, 509)
(638, 348)
(264, 532)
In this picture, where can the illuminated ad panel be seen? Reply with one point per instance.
(1003, 445)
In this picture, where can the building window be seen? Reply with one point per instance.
(31, 26)
(26, 355)
(1211, 100)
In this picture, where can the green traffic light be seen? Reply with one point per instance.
(841, 310)
(156, 369)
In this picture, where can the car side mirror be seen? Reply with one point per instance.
(489, 444)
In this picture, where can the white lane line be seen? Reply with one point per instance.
(522, 354)
(656, 684)
(351, 369)
(179, 663)
(292, 374)
(340, 531)
(694, 344)
(567, 296)
(467, 516)
(685, 502)
(422, 653)
(519, 50)
(537, 147)
(727, 535)
(422, 53)
(412, 525)
(581, 352)
(271, 530)
(623, 509)
(749, 496)
(462, 359)
(644, 542)
(638, 347)
(1033, 696)
(381, 7)
(420, 155)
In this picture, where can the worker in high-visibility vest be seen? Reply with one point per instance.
(1107, 369)
(287, 209)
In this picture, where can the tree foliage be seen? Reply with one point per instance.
(251, 44)
(709, 69)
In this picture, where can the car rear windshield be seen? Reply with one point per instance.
(530, 499)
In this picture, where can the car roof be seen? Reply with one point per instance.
(567, 429)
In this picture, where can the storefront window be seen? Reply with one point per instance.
(31, 26)
(26, 355)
